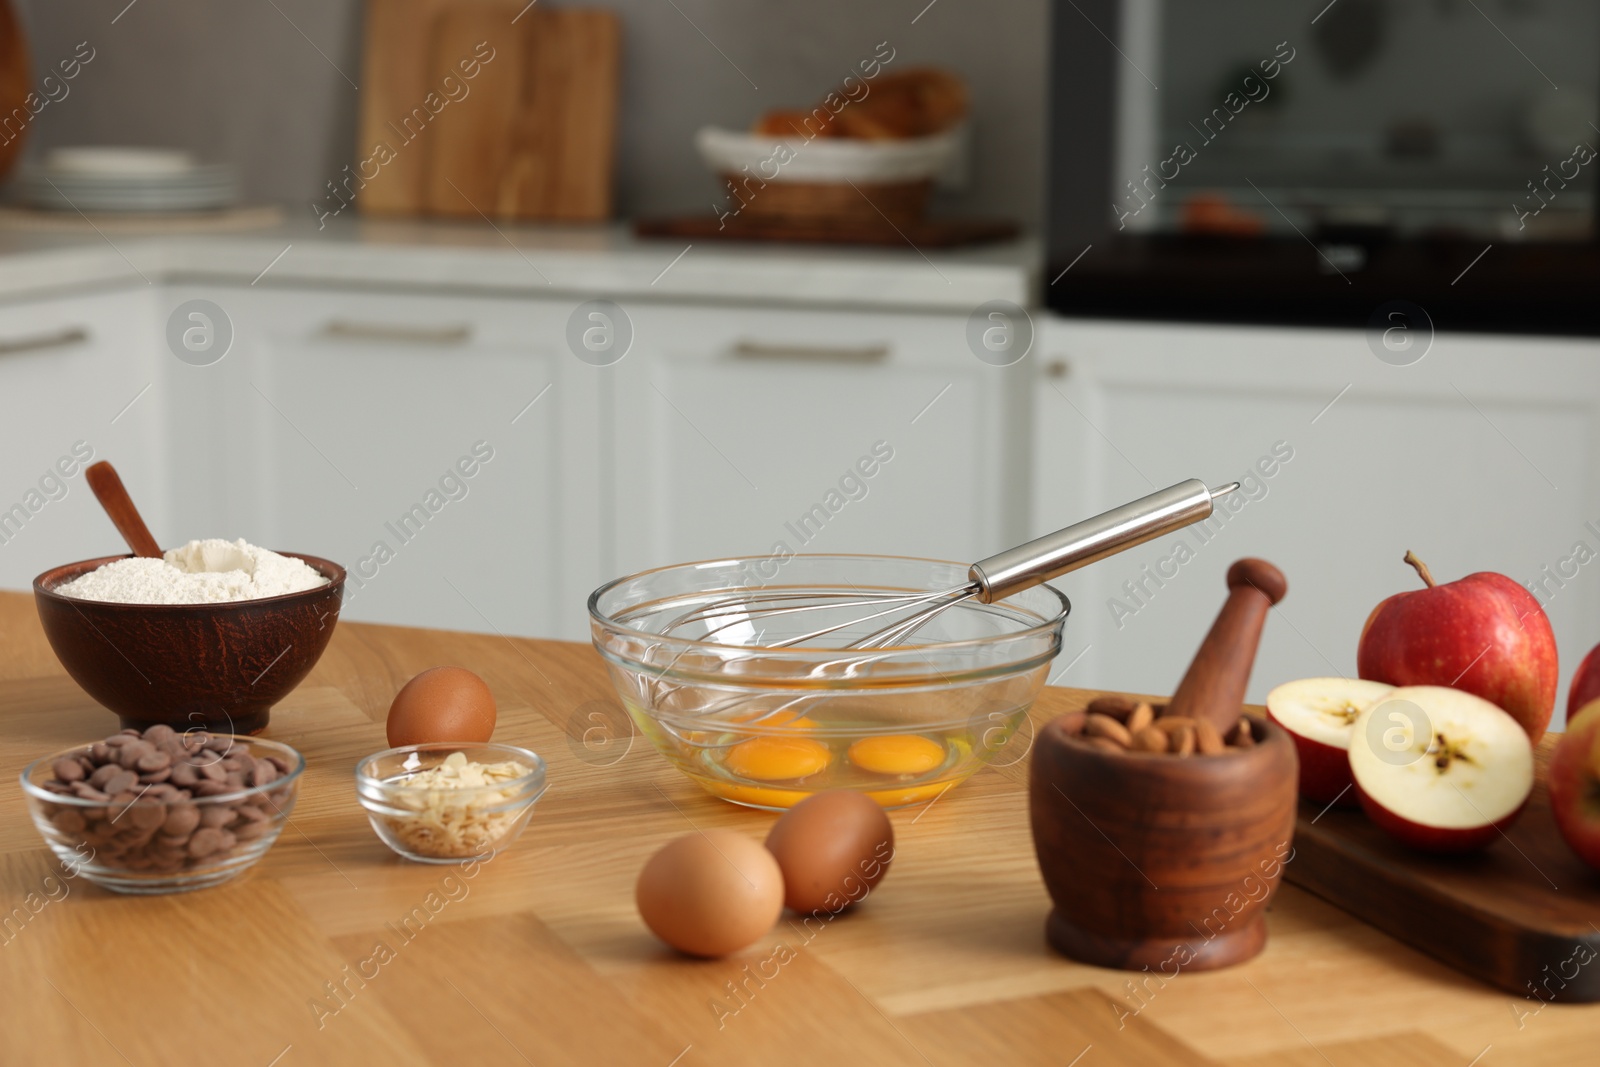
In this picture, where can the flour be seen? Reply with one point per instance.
(201, 572)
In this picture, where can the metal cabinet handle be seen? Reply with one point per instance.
(71, 335)
(347, 330)
(812, 353)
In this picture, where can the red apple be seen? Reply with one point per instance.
(1574, 780)
(1585, 684)
(1440, 769)
(1319, 713)
(1483, 633)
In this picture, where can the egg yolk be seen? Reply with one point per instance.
(897, 754)
(778, 759)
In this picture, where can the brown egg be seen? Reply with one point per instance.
(442, 704)
(833, 848)
(710, 893)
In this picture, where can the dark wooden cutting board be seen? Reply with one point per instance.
(1524, 915)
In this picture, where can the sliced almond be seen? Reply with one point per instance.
(1097, 725)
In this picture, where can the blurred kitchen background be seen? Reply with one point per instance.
(1069, 254)
(241, 82)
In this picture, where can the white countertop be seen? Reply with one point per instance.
(528, 260)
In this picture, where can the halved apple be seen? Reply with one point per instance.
(1319, 713)
(1440, 769)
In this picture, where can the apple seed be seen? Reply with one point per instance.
(1444, 752)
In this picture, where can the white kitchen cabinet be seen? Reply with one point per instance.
(723, 430)
(440, 448)
(76, 380)
(742, 429)
(1481, 456)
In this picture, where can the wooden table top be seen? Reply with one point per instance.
(538, 956)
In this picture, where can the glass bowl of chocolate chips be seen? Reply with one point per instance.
(160, 811)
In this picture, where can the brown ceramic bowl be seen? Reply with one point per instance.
(220, 667)
(1157, 861)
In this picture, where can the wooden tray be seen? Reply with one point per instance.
(1523, 916)
(929, 233)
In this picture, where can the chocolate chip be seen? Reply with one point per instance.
(159, 732)
(68, 770)
(153, 761)
(135, 840)
(104, 774)
(99, 752)
(120, 781)
(181, 820)
(68, 821)
(130, 754)
(249, 831)
(216, 815)
(264, 773)
(205, 841)
(159, 776)
(147, 816)
(184, 775)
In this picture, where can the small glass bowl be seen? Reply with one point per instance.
(117, 846)
(439, 825)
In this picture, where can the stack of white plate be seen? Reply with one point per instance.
(125, 180)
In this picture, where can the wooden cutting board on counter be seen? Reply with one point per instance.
(530, 135)
(924, 233)
(1524, 915)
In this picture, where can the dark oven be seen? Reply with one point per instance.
(1263, 161)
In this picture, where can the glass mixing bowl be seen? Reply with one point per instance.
(766, 726)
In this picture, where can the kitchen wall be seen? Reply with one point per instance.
(272, 85)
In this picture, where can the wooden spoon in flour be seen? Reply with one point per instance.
(108, 489)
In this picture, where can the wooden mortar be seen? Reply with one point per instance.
(1161, 862)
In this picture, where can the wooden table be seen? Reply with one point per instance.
(537, 956)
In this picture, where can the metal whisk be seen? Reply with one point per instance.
(992, 579)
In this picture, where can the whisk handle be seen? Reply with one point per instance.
(1094, 539)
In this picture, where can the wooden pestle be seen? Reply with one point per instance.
(1213, 689)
